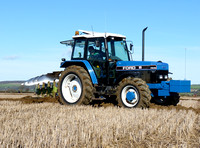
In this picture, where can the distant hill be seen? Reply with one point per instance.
(195, 86)
(195, 89)
(7, 82)
(15, 86)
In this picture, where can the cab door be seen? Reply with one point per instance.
(96, 55)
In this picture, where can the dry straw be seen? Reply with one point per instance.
(53, 125)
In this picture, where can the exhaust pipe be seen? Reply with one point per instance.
(143, 36)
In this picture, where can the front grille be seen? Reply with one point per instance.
(158, 76)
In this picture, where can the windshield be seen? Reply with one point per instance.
(118, 50)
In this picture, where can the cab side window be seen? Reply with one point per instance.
(79, 49)
(95, 52)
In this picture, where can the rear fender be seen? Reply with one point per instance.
(83, 63)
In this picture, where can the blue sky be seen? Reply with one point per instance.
(30, 32)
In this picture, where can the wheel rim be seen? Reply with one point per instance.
(71, 88)
(130, 96)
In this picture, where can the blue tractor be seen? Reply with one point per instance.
(101, 68)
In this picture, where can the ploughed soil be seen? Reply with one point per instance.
(178, 108)
(26, 98)
(29, 98)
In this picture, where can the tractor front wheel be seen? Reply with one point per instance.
(75, 86)
(133, 92)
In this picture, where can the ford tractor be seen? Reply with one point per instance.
(101, 68)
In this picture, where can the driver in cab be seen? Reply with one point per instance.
(94, 54)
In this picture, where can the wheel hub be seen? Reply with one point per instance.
(74, 88)
(130, 96)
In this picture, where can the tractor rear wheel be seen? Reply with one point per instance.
(75, 86)
(133, 92)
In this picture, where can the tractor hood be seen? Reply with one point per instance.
(141, 65)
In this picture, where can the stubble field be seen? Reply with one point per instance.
(28, 122)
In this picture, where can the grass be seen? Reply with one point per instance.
(54, 125)
(195, 86)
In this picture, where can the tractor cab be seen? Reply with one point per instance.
(101, 50)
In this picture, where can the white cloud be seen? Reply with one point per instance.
(11, 57)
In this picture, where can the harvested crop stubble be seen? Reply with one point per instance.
(53, 125)
(193, 102)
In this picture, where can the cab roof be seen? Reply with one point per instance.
(91, 34)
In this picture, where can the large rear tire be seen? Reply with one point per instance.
(133, 92)
(75, 86)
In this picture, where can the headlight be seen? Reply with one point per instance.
(166, 77)
(160, 76)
